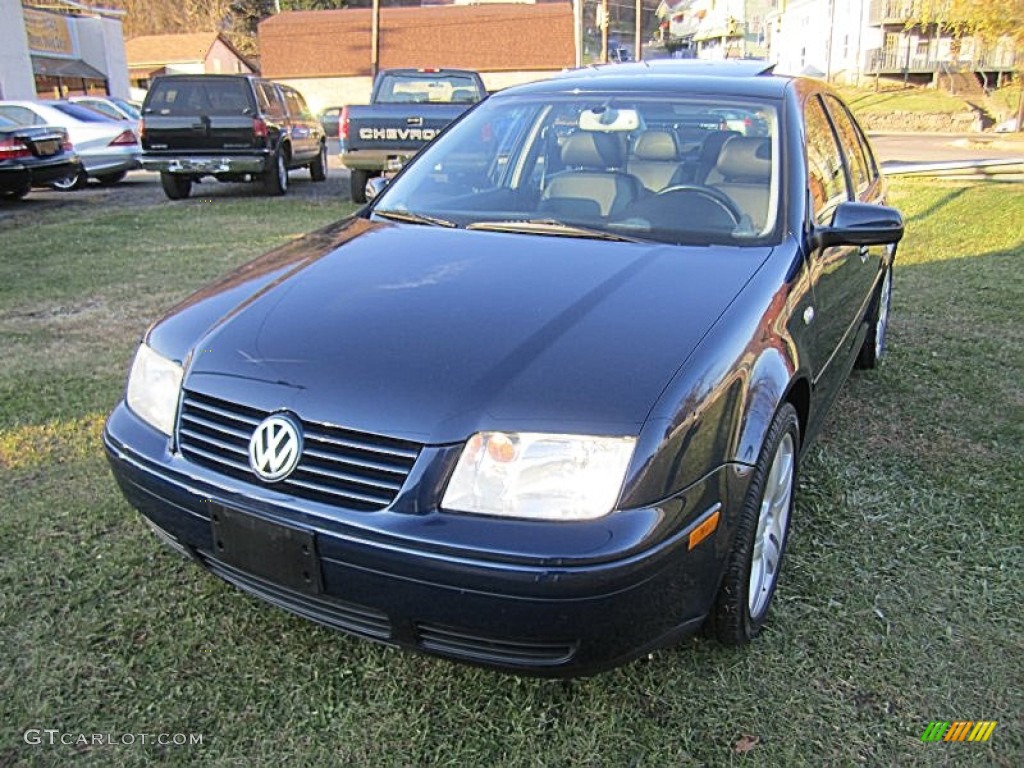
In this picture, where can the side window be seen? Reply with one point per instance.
(296, 106)
(865, 147)
(825, 176)
(261, 99)
(850, 143)
(276, 105)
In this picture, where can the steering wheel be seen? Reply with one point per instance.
(715, 196)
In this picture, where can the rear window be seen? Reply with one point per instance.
(199, 96)
(423, 87)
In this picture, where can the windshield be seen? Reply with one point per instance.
(669, 169)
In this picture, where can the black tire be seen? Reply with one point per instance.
(357, 185)
(71, 183)
(873, 350)
(16, 194)
(175, 187)
(318, 168)
(108, 179)
(275, 178)
(761, 533)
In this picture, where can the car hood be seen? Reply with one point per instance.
(430, 334)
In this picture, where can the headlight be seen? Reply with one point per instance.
(539, 476)
(153, 387)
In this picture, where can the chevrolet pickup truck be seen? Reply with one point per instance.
(408, 108)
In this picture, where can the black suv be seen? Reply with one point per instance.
(231, 127)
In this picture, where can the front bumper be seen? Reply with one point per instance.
(400, 579)
(203, 165)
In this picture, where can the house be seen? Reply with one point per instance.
(183, 54)
(326, 54)
(715, 29)
(60, 48)
(847, 40)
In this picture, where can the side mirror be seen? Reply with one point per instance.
(375, 186)
(860, 224)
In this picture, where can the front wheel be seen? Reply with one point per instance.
(318, 168)
(175, 187)
(762, 528)
(275, 178)
(71, 182)
(357, 185)
(871, 353)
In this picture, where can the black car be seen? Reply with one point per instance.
(33, 156)
(541, 406)
(230, 127)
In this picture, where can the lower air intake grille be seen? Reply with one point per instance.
(455, 642)
(332, 613)
(356, 470)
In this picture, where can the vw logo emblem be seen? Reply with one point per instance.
(275, 447)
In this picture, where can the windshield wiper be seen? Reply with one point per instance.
(551, 227)
(414, 218)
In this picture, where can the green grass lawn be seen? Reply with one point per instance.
(900, 602)
(868, 101)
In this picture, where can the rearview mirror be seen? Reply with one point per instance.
(860, 224)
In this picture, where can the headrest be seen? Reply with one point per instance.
(656, 145)
(589, 149)
(746, 158)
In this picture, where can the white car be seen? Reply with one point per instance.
(108, 148)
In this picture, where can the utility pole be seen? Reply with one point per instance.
(638, 41)
(577, 30)
(375, 39)
(831, 40)
(604, 31)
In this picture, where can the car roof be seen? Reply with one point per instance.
(728, 78)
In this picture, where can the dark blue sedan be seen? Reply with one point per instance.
(540, 405)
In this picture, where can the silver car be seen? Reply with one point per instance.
(108, 148)
(112, 107)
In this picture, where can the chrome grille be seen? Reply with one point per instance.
(338, 466)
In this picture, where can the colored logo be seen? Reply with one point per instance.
(275, 447)
(959, 730)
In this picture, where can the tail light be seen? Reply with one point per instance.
(343, 129)
(124, 139)
(259, 128)
(65, 142)
(142, 129)
(11, 149)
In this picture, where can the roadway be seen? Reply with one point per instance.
(932, 148)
